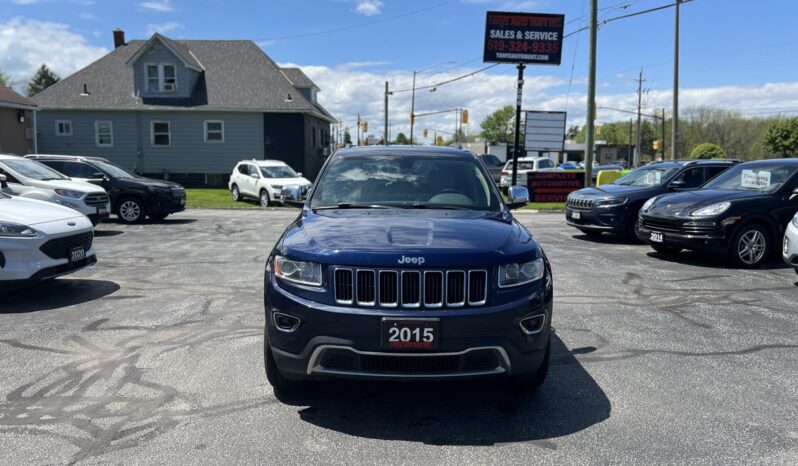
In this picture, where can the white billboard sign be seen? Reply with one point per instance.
(545, 131)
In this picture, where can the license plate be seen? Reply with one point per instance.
(576, 215)
(656, 237)
(410, 334)
(77, 254)
(102, 211)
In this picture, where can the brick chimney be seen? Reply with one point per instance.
(119, 38)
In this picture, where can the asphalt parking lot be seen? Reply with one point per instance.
(155, 356)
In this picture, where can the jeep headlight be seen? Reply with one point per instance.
(16, 230)
(648, 204)
(301, 272)
(712, 210)
(611, 202)
(518, 274)
(68, 193)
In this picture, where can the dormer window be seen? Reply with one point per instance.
(161, 77)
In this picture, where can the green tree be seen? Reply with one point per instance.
(4, 79)
(781, 138)
(40, 81)
(401, 139)
(708, 150)
(499, 125)
(347, 136)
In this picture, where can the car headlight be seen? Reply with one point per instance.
(16, 230)
(648, 204)
(68, 193)
(712, 210)
(517, 274)
(303, 273)
(277, 187)
(795, 221)
(611, 202)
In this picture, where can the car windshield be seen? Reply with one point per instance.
(521, 165)
(283, 171)
(647, 176)
(766, 179)
(405, 181)
(114, 171)
(33, 169)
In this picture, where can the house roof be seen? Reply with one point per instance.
(9, 98)
(299, 79)
(180, 50)
(237, 76)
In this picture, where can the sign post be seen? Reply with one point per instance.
(522, 38)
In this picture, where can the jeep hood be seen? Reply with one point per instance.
(380, 237)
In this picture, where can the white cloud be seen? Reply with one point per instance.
(26, 44)
(163, 28)
(163, 6)
(369, 7)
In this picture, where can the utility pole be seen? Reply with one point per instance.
(358, 130)
(675, 121)
(591, 95)
(385, 131)
(631, 148)
(412, 107)
(639, 128)
(517, 142)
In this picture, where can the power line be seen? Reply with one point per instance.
(357, 26)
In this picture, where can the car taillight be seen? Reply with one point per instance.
(504, 173)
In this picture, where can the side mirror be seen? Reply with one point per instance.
(793, 196)
(98, 175)
(517, 196)
(292, 195)
(677, 185)
(299, 175)
(3, 181)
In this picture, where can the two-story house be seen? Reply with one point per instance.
(16, 123)
(186, 110)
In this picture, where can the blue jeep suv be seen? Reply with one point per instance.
(406, 264)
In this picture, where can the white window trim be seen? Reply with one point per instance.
(152, 133)
(161, 77)
(205, 125)
(97, 133)
(58, 122)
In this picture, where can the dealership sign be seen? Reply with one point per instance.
(529, 38)
(553, 186)
(545, 131)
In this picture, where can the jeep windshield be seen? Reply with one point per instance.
(113, 170)
(405, 181)
(765, 178)
(647, 176)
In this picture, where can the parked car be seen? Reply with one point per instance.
(613, 208)
(525, 165)
(405, 263)
(41, 240)
(741, 214)
(494, 166)
(263, 180)
(33, 180)
(133, 197)
(790, 251)
(569, 166)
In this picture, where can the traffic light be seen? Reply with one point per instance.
(412, 119)
(657, 144)
(365, 126)
(426, 132)
(464, 117)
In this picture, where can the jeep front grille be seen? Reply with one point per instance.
(428, 289)
(580, 203)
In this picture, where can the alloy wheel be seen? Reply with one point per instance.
(264, 199)
(236, 193)
(751, 247)
(130, 211)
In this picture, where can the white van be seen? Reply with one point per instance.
(34, 180)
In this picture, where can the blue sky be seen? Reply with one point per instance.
(735, 53)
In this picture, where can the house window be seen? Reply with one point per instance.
(169, 78)
(153, 79)
(161, 134)
(63, 128)
(104, 133)
(214, 131)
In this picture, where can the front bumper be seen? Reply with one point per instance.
(610, 219)
(714, 241)
(345, 342)
(790, 247)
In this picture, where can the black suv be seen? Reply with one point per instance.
(132, 197)
(613, 208)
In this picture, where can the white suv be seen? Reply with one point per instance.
(263, 180)
(525, 165)
(34, 180)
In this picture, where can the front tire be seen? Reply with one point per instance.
(273, 374)
(265, 200)
(632, 228)
(751, 246)
(131, 210)
(235, 193)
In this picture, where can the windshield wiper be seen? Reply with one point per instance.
(346, 205)
(419, 205)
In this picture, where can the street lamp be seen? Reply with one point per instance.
(413, 98)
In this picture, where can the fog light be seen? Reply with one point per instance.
(534, 324)
(284, 322)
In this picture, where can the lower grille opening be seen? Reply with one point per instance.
(409, 364)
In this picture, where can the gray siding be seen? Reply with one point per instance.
(160, 54)
(188, 153)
